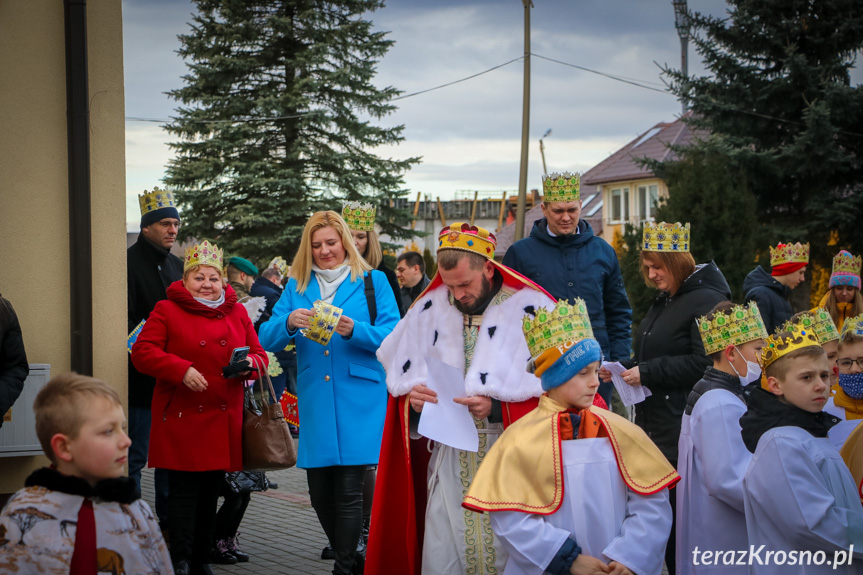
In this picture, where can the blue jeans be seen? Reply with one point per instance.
(139, 433)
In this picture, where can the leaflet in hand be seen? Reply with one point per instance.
(629, 394)
(446, 421)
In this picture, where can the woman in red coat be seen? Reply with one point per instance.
(197, 406)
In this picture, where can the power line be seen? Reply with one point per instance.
(610, 76)
(457, 81)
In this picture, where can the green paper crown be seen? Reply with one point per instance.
(358, 216)
(818, 321)
(740, 325)
(563, 187)
(565, 323)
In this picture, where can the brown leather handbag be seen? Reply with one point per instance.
(267, 442)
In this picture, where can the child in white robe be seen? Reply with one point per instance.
(801, 503)
(573, 488)
(713, 458)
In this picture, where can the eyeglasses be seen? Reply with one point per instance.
(165, 224)
(847, 363)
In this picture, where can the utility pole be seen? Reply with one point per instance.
(525, 127)
(681, 22)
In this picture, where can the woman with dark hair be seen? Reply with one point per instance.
(14, 368)
(669, 356)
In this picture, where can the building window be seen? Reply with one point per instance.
(648, 197)
(620, 204)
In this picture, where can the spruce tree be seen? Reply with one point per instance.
(780, 110)
(278, 120)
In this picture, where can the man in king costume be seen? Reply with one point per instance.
(569, 487)
(468, 317)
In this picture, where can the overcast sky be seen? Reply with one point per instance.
(469, 135)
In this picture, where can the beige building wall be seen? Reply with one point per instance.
(34, 219)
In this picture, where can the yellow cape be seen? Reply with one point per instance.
(523, 471)
(852, 453)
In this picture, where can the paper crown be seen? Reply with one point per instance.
(664, 237)
(563, 187)
(846, 270)
(359, 216)
(565, 323)
(789, 253)
(280, 264)
(777, 346)
(460, 236)
(853, 326)
(203, 254)
(155, 200)
(741, 324)
(818, 321)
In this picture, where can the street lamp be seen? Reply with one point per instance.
(681, 22)
(542, 150)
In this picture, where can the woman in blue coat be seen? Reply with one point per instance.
(340, 387)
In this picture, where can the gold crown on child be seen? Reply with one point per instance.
(359, 216)
(565, 323)
(203, 254)
(665, 237)
(853, 326)
(739, 325)
(818, 321)
(280, 264)
(789, 253)
(565, 187)
(777, 346)
(845, 262)
(155, 200)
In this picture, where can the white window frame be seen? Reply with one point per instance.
(645, 211)
(619, 197)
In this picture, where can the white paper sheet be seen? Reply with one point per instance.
(629, 394)
(446, 421)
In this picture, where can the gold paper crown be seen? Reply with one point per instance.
(280, 264)
(155, 200)
(741, 324)
(664, 237)
(461, 236)
(563, 187)
(853, 326)
(360, 217)
(204, 254)
(777, 346)
(818, 321)
(844, 262)
(789, 253)
(565, 323)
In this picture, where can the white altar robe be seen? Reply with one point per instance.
(839, 432)
(800, 496)
(604, 517)
(712, 462)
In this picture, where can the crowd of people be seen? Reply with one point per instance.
(747, 442)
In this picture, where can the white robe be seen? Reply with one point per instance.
(840, 432)
(713, 460)
(800, 496)
(604, 517)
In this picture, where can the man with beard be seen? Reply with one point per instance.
(470, 317)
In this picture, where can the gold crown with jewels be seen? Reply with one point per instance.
(280, 264)
(203, 254)
(853, 326)
(777, 346)
(844, 262)
(739, 325)
(789, 254)
(461, 236)
(665, 237)
(565, 323)
(817, 321)
(565, 187)
(359, 216)
(155, 200)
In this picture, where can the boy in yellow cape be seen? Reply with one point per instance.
(573, 488)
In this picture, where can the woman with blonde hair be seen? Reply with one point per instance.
(341, 392)
(843, 299)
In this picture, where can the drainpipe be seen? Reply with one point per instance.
(78, 141)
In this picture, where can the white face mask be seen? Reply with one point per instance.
(753, 370)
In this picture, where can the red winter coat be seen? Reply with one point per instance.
(195, 431)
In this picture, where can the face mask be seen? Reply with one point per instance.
(852, 384)
(753, 370)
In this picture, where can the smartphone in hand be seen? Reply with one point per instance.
(239, 354)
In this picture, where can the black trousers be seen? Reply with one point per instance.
(192, 499)
(231, 512)
(337, 496)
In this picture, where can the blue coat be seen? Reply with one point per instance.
(341, 388)
(579, 265)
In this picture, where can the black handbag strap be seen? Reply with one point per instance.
(370, 297)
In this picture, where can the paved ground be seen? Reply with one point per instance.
(280, 529)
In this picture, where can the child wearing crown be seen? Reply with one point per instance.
(843, 299)
(771, 290)
(800, 499)
(847, 402)
(534, 480)
(712, 456)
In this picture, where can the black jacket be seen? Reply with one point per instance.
(394, 284)
(670, 355)
(410, 294)
(714, 379)
(771, 297)
(14, 368)
(149, 272)
(266, 289)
